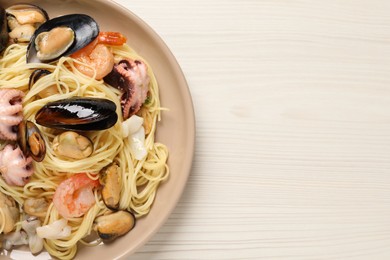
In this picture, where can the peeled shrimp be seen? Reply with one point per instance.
(74, 196)
(96, 57)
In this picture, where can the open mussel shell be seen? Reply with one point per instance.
(24, 13)
(3, 30)
(30, 141)
(77, 113)
(36, 75)
(85, 30)
(23, 20)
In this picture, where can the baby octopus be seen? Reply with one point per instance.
(10, 112)
(131, 77)
(15, 168)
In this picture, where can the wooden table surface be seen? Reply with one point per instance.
(292, 104)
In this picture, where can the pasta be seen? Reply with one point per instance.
(139, 179)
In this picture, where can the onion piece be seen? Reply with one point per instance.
(132, 128)
(137, 144)
(131, 125)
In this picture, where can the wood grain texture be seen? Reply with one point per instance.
(292, 101)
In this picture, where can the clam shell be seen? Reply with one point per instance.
(85, 28)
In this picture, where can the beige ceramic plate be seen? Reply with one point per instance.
(177, 129)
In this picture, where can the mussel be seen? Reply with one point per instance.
(35, 76)
(3, 29)
(30, 141)
(9, 213)
(109, 178)
(61, 36)
(78, 113)
(23, 20)
(111, 226)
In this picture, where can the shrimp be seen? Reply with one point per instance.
(96, 56)
(112, 38)
(74, 196)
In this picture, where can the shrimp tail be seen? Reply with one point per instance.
(112, 38)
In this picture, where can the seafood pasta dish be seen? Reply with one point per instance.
(78, 113)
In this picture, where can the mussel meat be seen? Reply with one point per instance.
(10, 213)
(30, 141)
(3, 29)
(111, 226)
(78, 113)
(109, 178)
(61, 36)
(23, 20)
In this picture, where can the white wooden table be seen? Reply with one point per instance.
(292, 102)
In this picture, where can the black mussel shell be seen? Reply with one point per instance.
(85, 28)
(21, 137)
(83, 114)
(36, 75)
(3, 29)
(30, 141)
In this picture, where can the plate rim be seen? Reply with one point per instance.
(190, 119)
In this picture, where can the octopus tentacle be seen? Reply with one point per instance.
(7, 133)
(11, 94)
(10, 120)
(15, 168)
(131, 77)
(2, 136)
(10, 112)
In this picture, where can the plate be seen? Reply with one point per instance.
(176, 130)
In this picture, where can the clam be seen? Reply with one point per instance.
(111, 226)
(77, 113)
(72, 145)
(61, 36)
(35, 76)
(23, 20)
(109, 178)
(3, 30)
(30, 141)
(36, 207)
